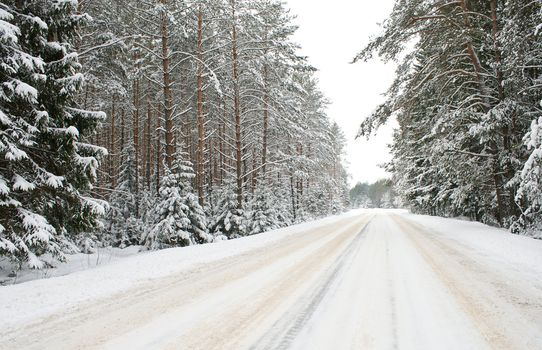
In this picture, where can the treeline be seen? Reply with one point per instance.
(214, 126)
(467, 99)
(379, 194)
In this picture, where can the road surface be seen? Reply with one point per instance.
(378, 280)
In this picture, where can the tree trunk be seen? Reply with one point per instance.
(148, 145)
(135, 126)
(265, 122)
(122, 142)
(254, 171)
(221, 132)
(158, 154)
(168, 95)
(237, 110)
(200, 172)
(112, 146)
(293, 197)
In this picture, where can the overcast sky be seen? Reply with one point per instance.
(331, 33)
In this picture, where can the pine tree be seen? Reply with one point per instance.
(264, 213)
(529, 179)
(282, 205)
(178, 219)
(224, 79)
(531, 184)
(46, 166)
(228, 219)
(125, 226)
(195, 211)
(463, 99)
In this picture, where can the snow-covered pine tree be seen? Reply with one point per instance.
(282, 204)
(529, 32)
(463, 98)
(125, 227)
(46, 166)
(228, 219)
(164, 71)
(178, 219)
(195, 212)
(264, 212)
(168, 222)
(359, 195)
(339, 189)
(531, 184)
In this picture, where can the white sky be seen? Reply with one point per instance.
(331, 33)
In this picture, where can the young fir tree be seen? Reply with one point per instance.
(178, 220)
(229, 220)
(283, 205)
(45, 164)
(264, 213)
(125, 227)
(194, 212)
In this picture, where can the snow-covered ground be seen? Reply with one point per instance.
(74, 263)
(365, 280)
(90, 277)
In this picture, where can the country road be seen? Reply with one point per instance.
(375, 280)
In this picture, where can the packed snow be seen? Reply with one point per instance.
(370, 279)
(90, 277)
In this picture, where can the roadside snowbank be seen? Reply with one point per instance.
(520, 253)
(74, 263)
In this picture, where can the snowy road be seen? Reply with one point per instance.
(377, 280)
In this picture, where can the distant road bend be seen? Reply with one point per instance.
(378, 280)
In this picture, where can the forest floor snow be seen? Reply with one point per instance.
(370, 279)
(74, 263)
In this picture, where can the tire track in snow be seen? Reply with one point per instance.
(92, 324)
(261, 304)
(284, 332)
(393, 302)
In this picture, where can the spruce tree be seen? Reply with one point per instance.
(125, 227)
(46, 164)
(229, 220)
(530, 188)
(264, 215)
(177, 220)
(463, 97)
